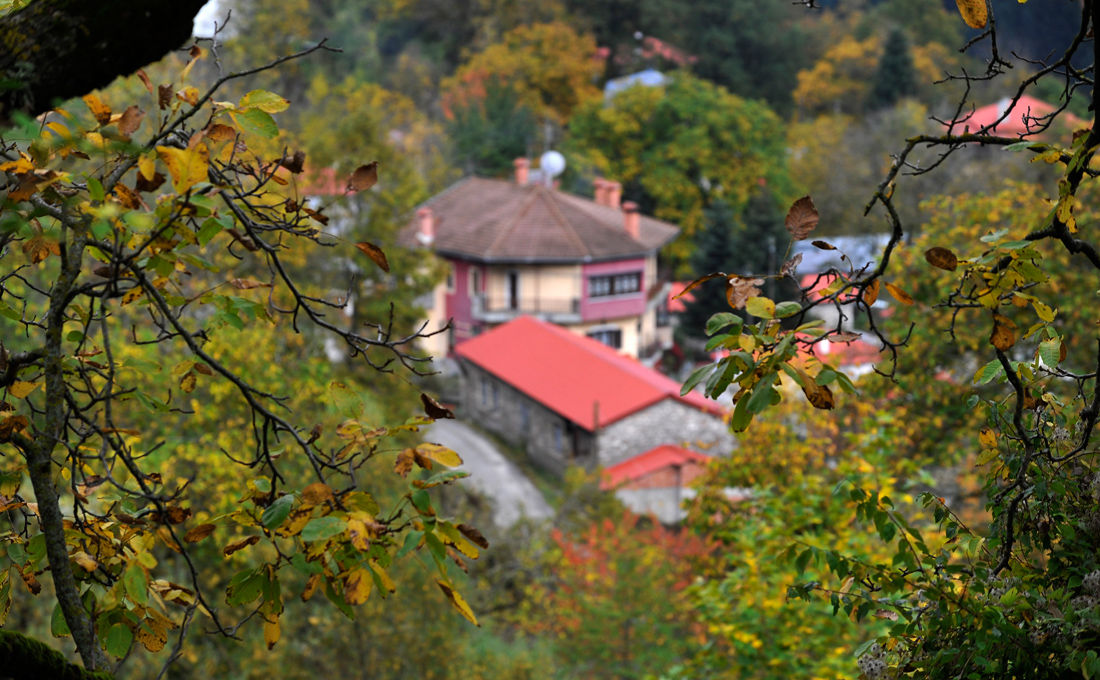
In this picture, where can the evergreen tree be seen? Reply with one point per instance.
(753, 242)
(486, 135)
(895, 78)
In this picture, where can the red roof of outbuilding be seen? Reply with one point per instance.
(570, 374)
(1024, 118)
(649, 462)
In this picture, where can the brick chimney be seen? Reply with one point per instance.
(426, 233)
(631, 219)
(600, 185)
(522, 164)
(614, 194)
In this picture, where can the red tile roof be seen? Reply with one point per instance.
(676, 304)
(649, 462)
(1021, 118)
(569, 373)
(496, 220)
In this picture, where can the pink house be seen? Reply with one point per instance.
(518, 247)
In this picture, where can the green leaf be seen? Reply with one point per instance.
(695, 378)
(95, 189)
(276, 513)
(119, 639)
(788, 308)
(722, 320)
(321, 528)
(988, 372)
(58, 626)
(1050, 351)
(245, 587)
(412, 539)
(212, 227)
(136, 584)
(256, 122)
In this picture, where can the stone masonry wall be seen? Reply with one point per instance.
(667, 422)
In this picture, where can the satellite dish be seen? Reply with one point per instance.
(552, 163)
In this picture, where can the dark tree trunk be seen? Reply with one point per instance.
(52, 50)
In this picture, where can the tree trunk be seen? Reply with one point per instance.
(53, 50)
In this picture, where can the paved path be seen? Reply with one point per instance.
(491, 473)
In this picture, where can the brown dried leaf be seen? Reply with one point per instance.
(28, 184)
(696, 283)
(375, 253)
(198, 533)
(741, 289)
(127, 196)
(145, 80)
(404, 462)
(1003, 336)
(870, 293)
(790, 266)
(177, 515)
(12, 425)
(200, 367)
(844, 336)
(148, 185)
(239, 545)
(317, 493)
(942, 258)
(316, 215)
(897, 293)
(164, 95)
(434, 410)
(311, 587)
(219, 132)
(822, 245)
(802, 218)
(248, 284)
(474, 535)
(30, 580)
(295, 163)
(364, 177)
(131, 120)
(86, 561)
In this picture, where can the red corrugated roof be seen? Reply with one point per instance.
(569, 373)
(649, 462)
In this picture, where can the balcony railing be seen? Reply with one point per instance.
(496, 308)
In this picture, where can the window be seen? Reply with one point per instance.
(450, 279)
(475, 281)
(558, 437)
(614, 284)
(485, 391)
(524, 416)
(612, 337)
(496, 395)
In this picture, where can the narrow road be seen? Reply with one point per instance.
(492, 474)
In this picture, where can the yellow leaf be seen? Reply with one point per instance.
(316, 493)
(973, 12)
(898, 294)
(188, 167)
(360, 535)
(357, 586)
(147, 166)
(1043, 310)
(440, 454)
(271, 632)
(988, 438)
(187, 382)
(375, 253)
(20, 389)
(387, 582)
(101, 111)
(458, 602)
(154, 642)
(86, 561)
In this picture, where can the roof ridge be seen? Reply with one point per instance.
(551, 198)
(512, 224)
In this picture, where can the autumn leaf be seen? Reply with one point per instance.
(474, 535)
(458, 602)
(188, 381)
(188, 167)
(268, 102)
(248, 284)
(740, 289)
(152, 641)
(942, 258)
(897, 293)
(404, 462)
(801, 218)
(988, 438)
(198, 533)
(357, 586)
(101, 111)
(271, 632)
(974, 12)
(1004, 332)
(364, 177)
(870, 293)
(820, 396)
(440, 454)
(296, 163)
(317, 493)
(433, 408)
(126, 196)
(375, 253)
(789, 267)
(86, 561)
(822, 245)
(311, 587)
(240, 545)
(130, 120)
(20, 389)
(164, 95)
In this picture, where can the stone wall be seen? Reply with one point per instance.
(548, 439)
(667, 422)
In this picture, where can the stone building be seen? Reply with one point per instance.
(570, 400)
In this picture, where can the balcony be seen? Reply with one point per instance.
(501, 308)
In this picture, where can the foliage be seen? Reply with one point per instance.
(679, 148)
(613, 603)
(895, 77)
(1018, 596)
(549, 66)
(488, 134)
(138, 249)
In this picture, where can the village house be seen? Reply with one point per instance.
(570, 400)
(523, 247)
